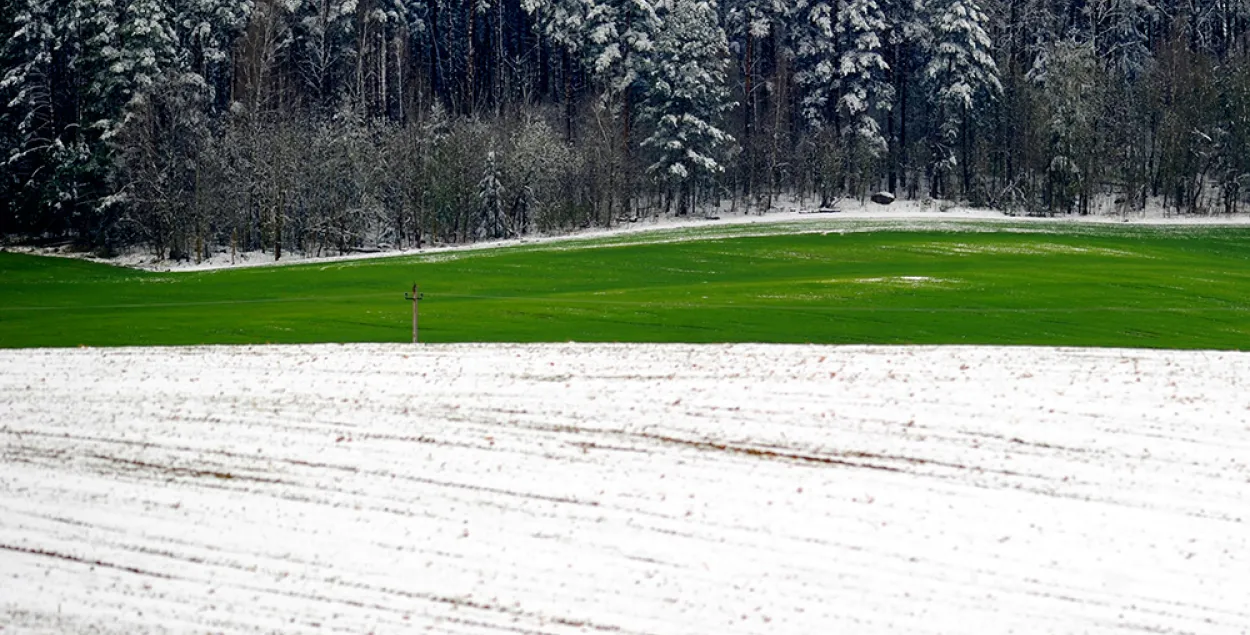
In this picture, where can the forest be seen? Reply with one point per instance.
(191, 127)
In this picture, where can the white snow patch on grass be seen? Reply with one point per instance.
(911, 281)
(1023, 249)
(624, 489)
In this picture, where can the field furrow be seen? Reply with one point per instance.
(624, 489)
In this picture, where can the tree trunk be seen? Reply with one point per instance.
(470, 10)
(500, 65)
(748, 107)
(902, 121)
(892, 158)
(566, 70)
(437, 81)
(966, 151)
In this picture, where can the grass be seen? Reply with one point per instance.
(949, 283)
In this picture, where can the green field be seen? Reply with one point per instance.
(821, 282)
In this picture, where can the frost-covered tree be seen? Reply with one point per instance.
(565, 24)
(324, 34)
(158, 150)
(1121, 35)
(687, 98)
(537, 170)
(1072, 88)
(962, 77)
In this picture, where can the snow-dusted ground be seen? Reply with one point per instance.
(624, 489)
(904, 214)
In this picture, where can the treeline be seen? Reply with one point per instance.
(193, 126)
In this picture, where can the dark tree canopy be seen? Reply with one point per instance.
(194, 126)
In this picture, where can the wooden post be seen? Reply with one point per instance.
(415, 296)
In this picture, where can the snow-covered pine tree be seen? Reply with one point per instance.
(56, 157)
(149, 47)
(962, 77)
(755, 18)
(844, 87)
(208, 30)
(815, 59)
(754, 27)
(620, 37)
(490, 194)
(27, 84)
(747, 23)
(27, 88)
(841, 72)
(863, 85)
(562, 22)
(687, 98)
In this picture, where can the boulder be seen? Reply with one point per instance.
(883, 198)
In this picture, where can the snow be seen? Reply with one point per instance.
(787, 213)
(632, 489)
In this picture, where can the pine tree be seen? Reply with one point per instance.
(149, 47)
(27, 88)
(687, 98)
(208, 30)
(563, 22)
(962, 76)
(619, 41)
(490, 195)
(755, 18)
(55, 156)
(815, 57)
(620, 35)
(751, 25)
(862, 75)
(27, 84)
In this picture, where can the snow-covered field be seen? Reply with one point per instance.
(624, 489)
